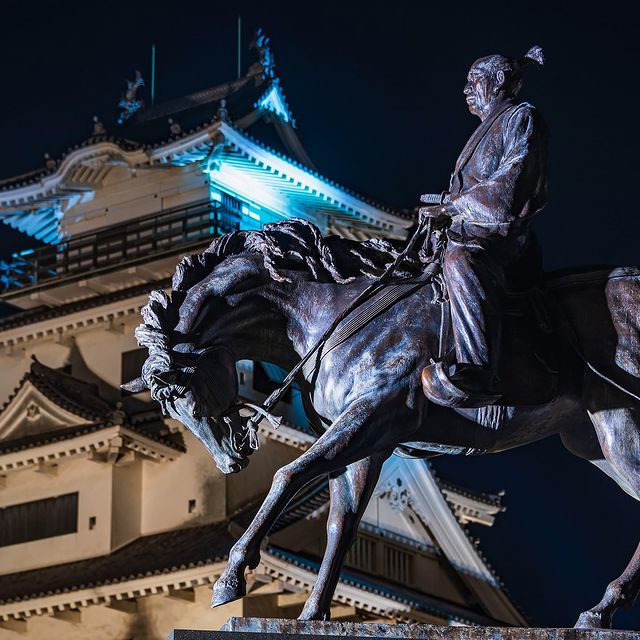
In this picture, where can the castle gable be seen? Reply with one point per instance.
(31, 412)
(48, 400)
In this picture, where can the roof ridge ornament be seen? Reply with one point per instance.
(174, 127)
(50, 163)
(265, 65)
(98, 127)
(129, 102)
(117, 417)
(223, 113)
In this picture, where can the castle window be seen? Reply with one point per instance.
(379, 558)
(398, 565)
(363, 554)
(39, 519)
(231, 203)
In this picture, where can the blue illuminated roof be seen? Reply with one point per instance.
(419, 602)
(223, 115)
(273, 100)
(42, 224)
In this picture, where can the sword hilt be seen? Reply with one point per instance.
(433, 198)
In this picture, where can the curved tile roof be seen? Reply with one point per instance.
(420, 602)
(148, 555)
(82, 399)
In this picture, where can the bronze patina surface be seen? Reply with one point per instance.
(498, 184)
(566, 351)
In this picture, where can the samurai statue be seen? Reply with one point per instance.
(499, 183)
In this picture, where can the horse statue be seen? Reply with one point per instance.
(268, 295)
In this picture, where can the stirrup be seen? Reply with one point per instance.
(441, 390)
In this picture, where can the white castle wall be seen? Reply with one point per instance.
(126, 194)
(93, 481)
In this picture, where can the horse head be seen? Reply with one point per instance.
(196, 386)
(190, 369)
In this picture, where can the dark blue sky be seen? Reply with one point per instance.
(376, 90)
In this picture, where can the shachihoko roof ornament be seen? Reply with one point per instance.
(266, 64)
(129, 102)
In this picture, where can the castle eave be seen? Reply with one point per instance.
(99, 442)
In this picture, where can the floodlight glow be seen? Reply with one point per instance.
(274, 102)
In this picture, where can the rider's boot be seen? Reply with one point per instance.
(459, 385)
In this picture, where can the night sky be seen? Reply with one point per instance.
(376, 89)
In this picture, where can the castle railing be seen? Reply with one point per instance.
(172, 231)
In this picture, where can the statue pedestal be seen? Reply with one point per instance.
(276, 629)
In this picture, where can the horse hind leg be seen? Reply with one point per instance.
(621, 592)
(350, 493)
(616, 419)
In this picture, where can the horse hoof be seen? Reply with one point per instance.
(312, 613)
(592, 620)
(227, 590)
(323, 616)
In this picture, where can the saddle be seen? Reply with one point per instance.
(530, 347)
(583, 316)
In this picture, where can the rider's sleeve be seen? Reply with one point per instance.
(512, 191)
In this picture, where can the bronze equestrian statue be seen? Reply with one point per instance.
(569, 344)
(499, 183)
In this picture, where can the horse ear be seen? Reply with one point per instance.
(135, 386)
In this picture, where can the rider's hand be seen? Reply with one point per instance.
(438, 213)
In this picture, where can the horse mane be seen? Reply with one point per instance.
(289, 245)
(297, 245)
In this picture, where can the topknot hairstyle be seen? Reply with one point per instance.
(511, 68)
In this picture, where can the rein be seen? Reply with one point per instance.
(356, 323)
(390, 294)
(330, 339)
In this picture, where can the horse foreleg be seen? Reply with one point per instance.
(350, 494)
(343, 443)
(622, 592)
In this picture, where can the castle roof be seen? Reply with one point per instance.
(50, 407)
(148, 555)
(23, 318)
(245, 119)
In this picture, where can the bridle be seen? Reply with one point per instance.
(249, 435)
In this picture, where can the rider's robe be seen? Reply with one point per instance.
(499, 183)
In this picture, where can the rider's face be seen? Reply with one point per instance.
(480, 90)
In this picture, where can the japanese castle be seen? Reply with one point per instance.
(114, 522)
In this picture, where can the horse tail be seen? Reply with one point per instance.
(569, 331)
